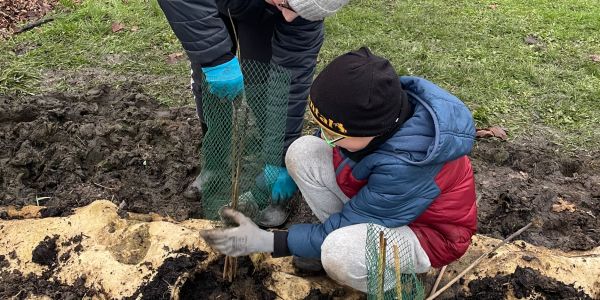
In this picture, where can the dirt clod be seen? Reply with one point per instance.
(132, 247)
(48, 212)
(527, 281)
(161, 286)
(488, 288)
(524, 283)
(528, 258)
(14, 285)
(45, 253)
(210, 284)
(4, 262)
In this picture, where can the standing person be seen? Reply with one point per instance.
(288, 34)
(392, 152)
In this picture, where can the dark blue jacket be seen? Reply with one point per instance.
(400, 179)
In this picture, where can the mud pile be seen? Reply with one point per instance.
(101, 252)
(520, 183)
(107, 144)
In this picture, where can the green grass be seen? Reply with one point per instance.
(474, 50)
(79, 49)
(479, 54)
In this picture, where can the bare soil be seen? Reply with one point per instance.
(524, 283)
(16, 285)
(65, 151)
(250, 283)
(519, 183)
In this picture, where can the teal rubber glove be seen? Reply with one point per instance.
(282, 185)
(225, 80)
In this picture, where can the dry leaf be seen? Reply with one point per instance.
(493, 6)
(173, 58)
(483, 133)
(116, 27)
(494, 131)
(499, 132)
(595, 57)
(15, 12)
(563, 205)
(134, 29)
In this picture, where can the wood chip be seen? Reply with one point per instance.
(563, 205)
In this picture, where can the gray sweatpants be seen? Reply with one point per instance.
(309, 162)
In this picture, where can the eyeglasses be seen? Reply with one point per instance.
(330, 137)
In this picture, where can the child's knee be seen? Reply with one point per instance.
(343, 255)
(306, 147)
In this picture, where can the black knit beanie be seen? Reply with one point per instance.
(359, 94)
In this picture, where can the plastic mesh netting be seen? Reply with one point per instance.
(243, 136)
(391, 272)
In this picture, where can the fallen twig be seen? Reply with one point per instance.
(477, 261)
(97, 184)
(35, 24)
(437, 281)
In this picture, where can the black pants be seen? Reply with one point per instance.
(267, 37)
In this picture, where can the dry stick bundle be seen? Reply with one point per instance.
(238, 111)
(398, 272)
(382, 245)
(238, 129)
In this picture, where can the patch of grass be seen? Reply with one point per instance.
(517, 64)
(79, 49)
(16, 78)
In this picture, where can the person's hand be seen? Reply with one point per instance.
(225, 80)
(243, 240)
(288, 13)
(282, 185)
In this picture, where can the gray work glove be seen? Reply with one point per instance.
(245, 239)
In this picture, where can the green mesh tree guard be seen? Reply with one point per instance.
(391, 272)
(243, 136)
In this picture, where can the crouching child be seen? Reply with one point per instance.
(390, 151)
